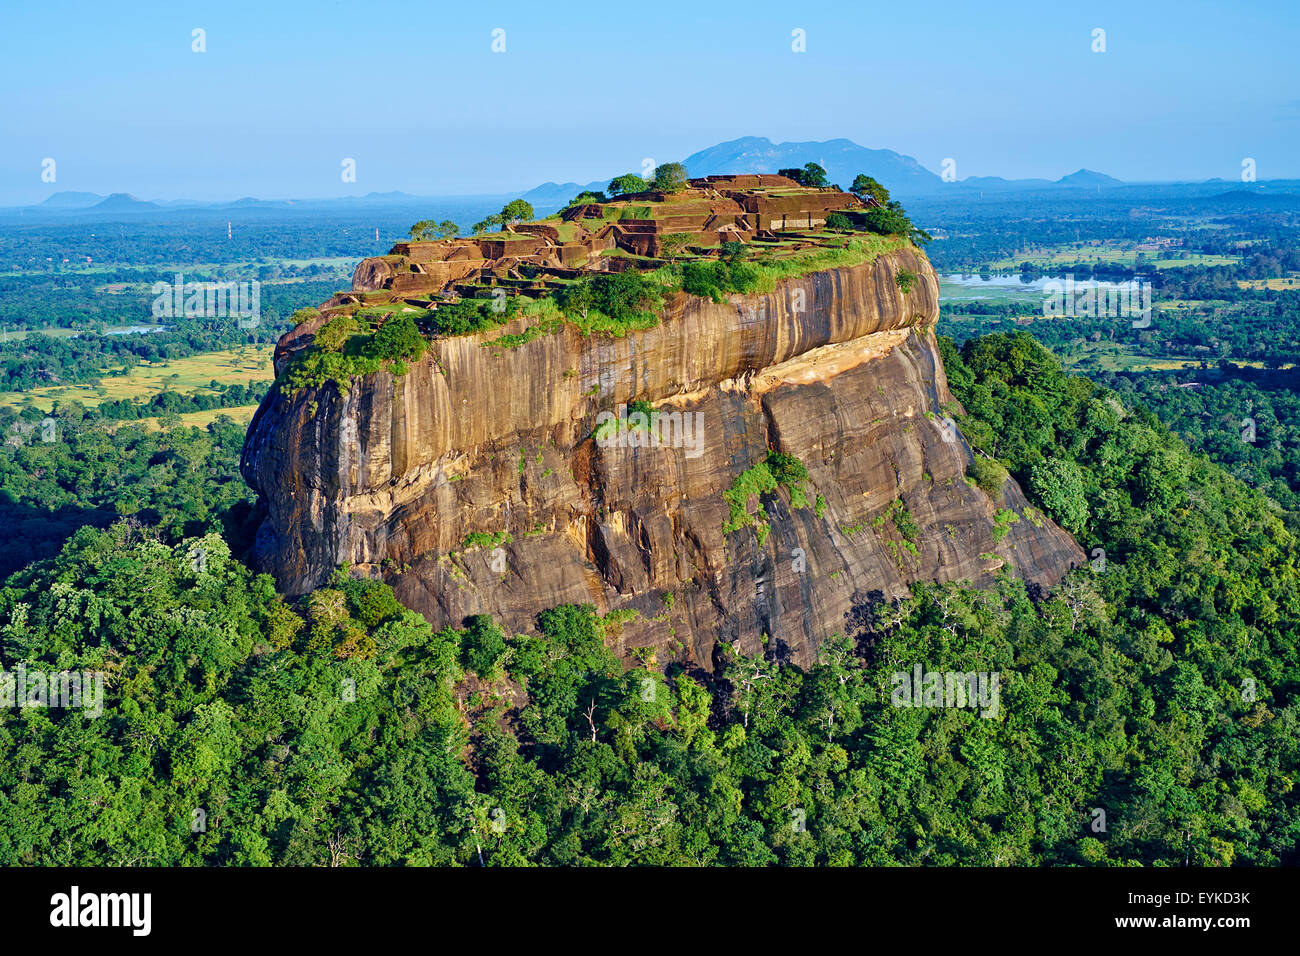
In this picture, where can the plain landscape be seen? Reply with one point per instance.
(1112, 532)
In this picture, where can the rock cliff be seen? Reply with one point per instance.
(473, 482)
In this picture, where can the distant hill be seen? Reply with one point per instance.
(1088, 177)
(69, 199)
(1081, 179)
(376, 198)
(842, 159)
(1000, 182)
(124, 202)
(557, 194)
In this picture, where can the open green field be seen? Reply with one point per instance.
(243, 415)
(11, 335)
(1118, 359)
(17, 335)
(994, 294)
(334, 262)
(79, 267)
(1111, 254)
(185, 375)
(1278, 284)
(1115, 359)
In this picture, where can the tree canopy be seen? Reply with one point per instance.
(670, 178)
(1144, 717)
(627, 183)
(810, 174)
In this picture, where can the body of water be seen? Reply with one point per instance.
(958, 287)
(132, 330)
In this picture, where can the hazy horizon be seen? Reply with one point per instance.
(415, 95)
(496, 194)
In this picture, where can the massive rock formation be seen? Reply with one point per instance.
(473, 484)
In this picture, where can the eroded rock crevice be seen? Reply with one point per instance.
(394, 476)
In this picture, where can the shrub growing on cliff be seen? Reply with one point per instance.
(776, 471)
(340, 352)
(474, 315)
(716, 278)
(620, 294)
(546, 319)
(615, 302)
(708, 279)
(314, 368)
(790, 473)
(1003, 519)
(336, 355)
(860, 249)
(745, 278)
(335, 333)
(751, 482)
(397, 339)
(641, 416)
(486, 539)
(989, 474)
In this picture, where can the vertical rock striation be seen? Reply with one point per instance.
(837, 368)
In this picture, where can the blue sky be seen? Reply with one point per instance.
(413, 92)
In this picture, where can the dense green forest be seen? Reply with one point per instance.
(971, 233)
(40, 359)
(47, 250)
(176, 481)
(1264, 329)
(1220, 269)
(238, 728)
(1247, 420)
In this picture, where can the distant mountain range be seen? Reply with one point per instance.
(125, 202)
(72, 200)
(842, 159)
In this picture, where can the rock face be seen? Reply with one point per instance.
(838, 368)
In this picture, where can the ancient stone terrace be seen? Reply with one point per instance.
(628, 232)
(712, 210)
